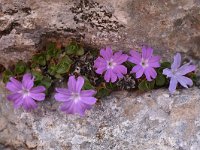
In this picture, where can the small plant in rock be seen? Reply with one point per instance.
(89, 75)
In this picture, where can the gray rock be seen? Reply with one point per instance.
(167, 25)
(153, 120)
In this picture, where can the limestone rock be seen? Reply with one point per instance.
(166, 25)
(153, 120)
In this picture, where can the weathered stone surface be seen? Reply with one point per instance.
(153, 120)
(166, 25)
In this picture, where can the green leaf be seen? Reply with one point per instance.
(50, 48)
(146, 85)
(87, 85)
(64, 65)
(159, 70)
(39, 59)
(129, 64)
(194, 77)
(38, 75)
(63, 68)
(58, 76)
(71, 49)
(160, 80)
(80, 51)
(143, 86)
(46, 82)
(52, 51)
(52, 69)
(111, 86)
(20, 68)
(74, 49)
(166, 64)
(102, 92)
(151, 84)
(6, 75)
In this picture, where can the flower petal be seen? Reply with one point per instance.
(107, 75)
(72, 108)
(67, 107)
(38, 89)
(120, 70)
(119, 58)
(79, 84)
(135, 57)
(100, 62)
(100, 70)
(79, 109)
(113, 77)
(168, 72)
(177, 61)
(18, 102)
(185, 69)
(12, 87)
(27, 81)
(17, 83)
(106, 53)
(63, 91)
(147, 74)
(184, 81)
(152, 72)
(37, 96)
(147, 52)
(89, 100)
(87, 93)
(138, 69)
(29, 103)
(154, 61)
(14, 96)
(172, 85)
(62, 97)
(86, 106)
(72, 83)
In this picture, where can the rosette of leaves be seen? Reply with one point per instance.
(161, 80)
(15, 70)
(50, 64)
(60, 67)
(74, 49)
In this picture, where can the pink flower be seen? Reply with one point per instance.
(23, 93)
(145, 64)
(111, 64)
(75, 100)
(177, 72)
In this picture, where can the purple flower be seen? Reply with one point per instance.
(145, 64)
(177, 72)
(76, 101)
(111, 64)
(23, 93)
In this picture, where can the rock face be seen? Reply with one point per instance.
(153, 120)
(166, 25)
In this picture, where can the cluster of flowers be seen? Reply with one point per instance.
(77, 101)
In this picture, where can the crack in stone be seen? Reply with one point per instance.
(9, 29)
